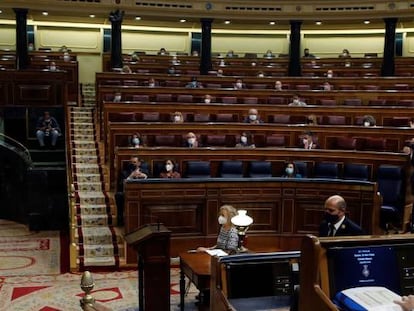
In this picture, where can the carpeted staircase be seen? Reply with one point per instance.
(93, 231)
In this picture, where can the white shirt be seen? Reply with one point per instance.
(338, 225)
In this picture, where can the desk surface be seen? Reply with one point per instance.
(199, 263)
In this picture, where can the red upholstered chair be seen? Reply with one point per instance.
(258, 86)
(164, 97)
(400, 121)
(276, 100)
(275, 141)
(250, 100)
(112, 82)
(345, 143)
(350, 74)
(328, 102)
(352, 102)
(376, 102)
(123, 117)
(193, 72)
(303, 87)
(229, 100)
(346, 87)
(185, 98)
(200, 117)
(150, 116)
(226, 117)
(375, 144)
(141, 98)
(130, 82)
(406, 102)
(165, 141)
(173, 83)
(213, 85)
(143, 71)
(370, 87)
(216, 140)
(335, 120)
(401, 86)
(280, 118)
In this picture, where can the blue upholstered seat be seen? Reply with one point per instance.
(198, 169)
(231, 169)
(260, 169)
(357, 171)
(326, 170)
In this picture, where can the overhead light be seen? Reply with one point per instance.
(227, 22)
(137, 18)
(366, 22)
(182, 20)
(45, 13)
(92, 15)
(318, 23)
(272, 23)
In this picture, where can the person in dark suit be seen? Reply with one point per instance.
(335, 222)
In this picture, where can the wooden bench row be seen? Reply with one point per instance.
(277, 156)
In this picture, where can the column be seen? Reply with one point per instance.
(22, 55)
(294, 49)
(388, 65)
(116, 38)
(205, 60)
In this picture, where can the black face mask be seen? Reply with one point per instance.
(332, 219)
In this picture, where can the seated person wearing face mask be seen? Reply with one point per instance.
(253, 117)
(296, 101)
(335, 222)
(246, 141)
(177, 117)
(368, 121)
(169, 170)
(307, 141)
(191, 141)
(208, 99)
(238, 85)
(290, 171)
(136, 169)
(227, 239)
(135, 140)
(117, 98)
(278, 86)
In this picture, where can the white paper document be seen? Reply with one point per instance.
(371, 298)
(216, 252)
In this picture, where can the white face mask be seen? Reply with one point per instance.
(207, 100)
(296, 101)
(135, 141)
(191, 141)
(329, 75)
(253, 64)
(239, 85)
(52, 68)
(347, 64)
(117, 98)
(243, 139)
(261, 75)
(289, 170)
(222, 220)
(278, 86)
(177, 118)
(152, 84)
(327, 87)
(367, 124)
(253, 117)
(168, 167)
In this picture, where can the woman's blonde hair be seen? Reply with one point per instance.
(230, 210)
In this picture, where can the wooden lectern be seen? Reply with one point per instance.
(152, 244)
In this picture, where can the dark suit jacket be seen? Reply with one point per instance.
(348, 228)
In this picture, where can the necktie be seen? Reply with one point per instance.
(331, 230)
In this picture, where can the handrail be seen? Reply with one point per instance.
(18, 147)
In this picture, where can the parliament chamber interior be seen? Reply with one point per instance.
(327, 87)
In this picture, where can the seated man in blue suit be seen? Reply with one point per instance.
(335, 222)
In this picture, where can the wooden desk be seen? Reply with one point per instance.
(196, 266)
